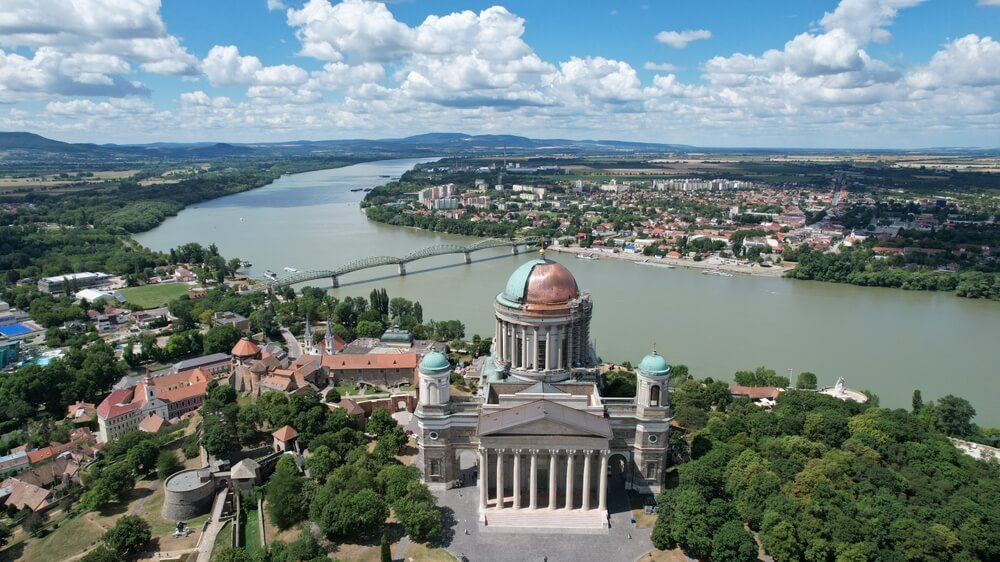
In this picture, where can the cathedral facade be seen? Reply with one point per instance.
(542, 442)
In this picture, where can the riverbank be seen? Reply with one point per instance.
(710, 264)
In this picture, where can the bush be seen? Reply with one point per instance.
(191, 449)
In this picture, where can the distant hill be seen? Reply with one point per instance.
(30, 141)
(29, 145)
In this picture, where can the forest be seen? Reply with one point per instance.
(858, 267)
(819, 478)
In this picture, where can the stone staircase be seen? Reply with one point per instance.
(558, 521)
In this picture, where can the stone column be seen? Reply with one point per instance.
(602, 494)
(533, 481)
(586, 479)
(548, 349)
(534, 351)
(524, 347)
(553, 456)
(560, 338)
(484, 469)
(569, 347)
(569, 479)
(500, 478)
(517, 478)
(496, 339)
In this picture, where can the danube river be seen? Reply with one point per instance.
(886, 340)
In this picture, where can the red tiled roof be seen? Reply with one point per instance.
(24, 495)
(286, 433)
(755, 392)
(245, 348)
(80, 412)
(39, 455)
(118, 402)
(152, 424)
(371, 361)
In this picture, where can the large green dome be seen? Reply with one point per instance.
(654, 365)
(435, 363)
(540, 281)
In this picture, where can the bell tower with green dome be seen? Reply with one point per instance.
(651, 381)
(435, 384)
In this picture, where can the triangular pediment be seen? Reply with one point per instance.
(543, 417)
(542, 388)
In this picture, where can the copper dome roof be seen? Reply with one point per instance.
(541, 281)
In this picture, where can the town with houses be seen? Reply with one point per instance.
(725, 224)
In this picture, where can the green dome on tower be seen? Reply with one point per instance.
(435, 363)
(654, 365)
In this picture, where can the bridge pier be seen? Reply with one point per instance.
(402, 269)
(513, 250)
(336, 282)
(468, 257)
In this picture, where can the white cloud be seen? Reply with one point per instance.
(680, 39)
(224, 66)
(968, 61)
(50, 72)
(275, 5)
(473, 71)
(865, 20)
(988, 2)
(661, 66)
(130, 29)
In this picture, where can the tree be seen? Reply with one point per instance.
(369, 329)
(380, 422)
(285, 502)
(352, 514)
(167, 464)
(418, 514)
(954, 416)
(129, 535)
(4, 534)
(806, 381)
(142, 457)
(221, 339)
(917, 401)
(333, 396)
(119, 480)
(733, 543)
(385, 553)
(321, 462)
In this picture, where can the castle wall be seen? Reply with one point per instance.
(187, 495)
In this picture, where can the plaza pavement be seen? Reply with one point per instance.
(460, 505)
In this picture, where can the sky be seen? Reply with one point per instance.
(714, 73)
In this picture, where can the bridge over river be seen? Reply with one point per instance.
(334, 275)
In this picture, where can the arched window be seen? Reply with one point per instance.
(432, 393)
(654, 395)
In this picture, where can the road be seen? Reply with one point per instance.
(294, 347)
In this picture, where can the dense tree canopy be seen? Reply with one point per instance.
(824, 479)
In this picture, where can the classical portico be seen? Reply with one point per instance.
(543, 456)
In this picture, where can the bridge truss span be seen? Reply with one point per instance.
(380, 261)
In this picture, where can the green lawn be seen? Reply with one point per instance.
(152, 296)
(223, 540)
(251, 532)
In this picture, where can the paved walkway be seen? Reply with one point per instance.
(212, 531)
(294, 348)
(141, 501)
(517, 547)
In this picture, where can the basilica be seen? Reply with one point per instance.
(540, 439)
